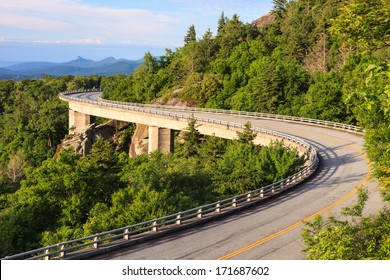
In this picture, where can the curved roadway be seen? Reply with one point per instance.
(272, 229)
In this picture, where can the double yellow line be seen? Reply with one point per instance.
(297, 224)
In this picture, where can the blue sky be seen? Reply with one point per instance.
(61, 30)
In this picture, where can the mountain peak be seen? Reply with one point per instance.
(109, 59)
(264, 20)
(81, 59)
(79, 66)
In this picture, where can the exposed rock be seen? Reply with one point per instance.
(177, 91)
(264, 20)
(139, 141)
(180, 103)
(175, 99)
(81, 142)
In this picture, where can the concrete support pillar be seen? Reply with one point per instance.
(160, 139)
(78, 121)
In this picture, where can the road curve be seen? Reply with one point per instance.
(272, 229)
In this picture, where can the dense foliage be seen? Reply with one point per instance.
(365, 25)
(33, 121)
(360, 238)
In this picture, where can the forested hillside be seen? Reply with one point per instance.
(324, 59)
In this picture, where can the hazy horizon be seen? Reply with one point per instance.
(24, 52)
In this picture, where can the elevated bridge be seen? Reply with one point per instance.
(161, 120)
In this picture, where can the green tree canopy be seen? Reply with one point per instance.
(191, 35)
(192, 139)
(364, 24)
(247, 135)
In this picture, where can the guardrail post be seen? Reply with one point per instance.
(178, 219)
(234, 202)
(126, 236)
(96, 244)
(154, 228)
(200, 215)
(218, 207)
(47, 251)
(62, 253)
(249, 197)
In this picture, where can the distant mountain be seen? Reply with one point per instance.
(78, 67)
(80, 62)
(8, 63)
(29, 66)
(6, 74)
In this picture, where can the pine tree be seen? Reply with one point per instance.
(150, 62)
(247, 136)
(279, 7)
(221, 23)
(192, 139)
(206, 50)
(191, 35)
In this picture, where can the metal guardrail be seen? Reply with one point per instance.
(60, 250)
(329, 124)
(334, 125)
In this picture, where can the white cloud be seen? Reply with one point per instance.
(96, 41)
(63, 20)
(74, 21)
(32, 23)
(243, 8)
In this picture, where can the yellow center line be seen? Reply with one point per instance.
(299, 223)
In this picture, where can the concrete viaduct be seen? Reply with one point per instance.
(160, 122)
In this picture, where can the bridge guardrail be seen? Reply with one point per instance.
(329, 124)
(61, 250)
